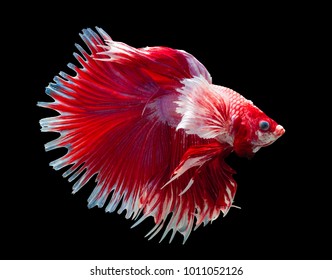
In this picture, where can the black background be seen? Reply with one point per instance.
(258, 52)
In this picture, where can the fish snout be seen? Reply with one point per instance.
(279, 131)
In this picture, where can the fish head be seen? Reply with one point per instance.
(253, 129)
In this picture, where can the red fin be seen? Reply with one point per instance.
(201, 187)
(210, 181)
(116, 120)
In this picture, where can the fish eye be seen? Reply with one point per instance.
(264, 125)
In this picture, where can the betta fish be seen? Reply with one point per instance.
(154, 132)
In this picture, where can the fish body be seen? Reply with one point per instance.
(149, 123)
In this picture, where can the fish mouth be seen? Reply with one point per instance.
(279, 131)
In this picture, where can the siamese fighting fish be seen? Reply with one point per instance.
(153, 131)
